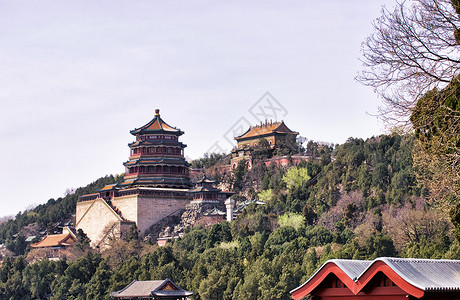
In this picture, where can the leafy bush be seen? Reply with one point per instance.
(291, 219)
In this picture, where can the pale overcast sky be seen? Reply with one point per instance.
(77, 76)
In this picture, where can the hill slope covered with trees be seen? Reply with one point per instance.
(365, 203)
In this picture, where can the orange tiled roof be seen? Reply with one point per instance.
(266, 128)
(155, 125)
(109, 187)
(127, 182)
(53, 240)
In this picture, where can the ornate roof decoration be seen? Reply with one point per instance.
(214, 212)
(202, 189)
(157, 125)
(264, 129)
(206, 180)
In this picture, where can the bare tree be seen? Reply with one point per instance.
(70, 191)
(413, 49)
(408, 225)
(6, 218)
(412, 60)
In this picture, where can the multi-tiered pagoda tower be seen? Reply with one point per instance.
(156, 185)
(157, 157)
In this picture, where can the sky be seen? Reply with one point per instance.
(77, 76)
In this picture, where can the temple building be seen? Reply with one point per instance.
(273, 132)
(157, 157)
(152, 289)
(156, 185)
(53, 246)
(57, 241)
(205, 192)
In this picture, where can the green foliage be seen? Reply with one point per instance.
(288, 146)
(296, 177)
(229, 245)
(253, 219)
(52, 212)
(209, 160)
(97, 287)
(343, 215)
(17, 244)
(319, 236)
(309, 214)
(455, 218)
(263, 150)
(238, 176)
(133, 234)
(219, 233)
(194, 240)
(291, 219)
(265, 195)
(82, 240)
(435, 119)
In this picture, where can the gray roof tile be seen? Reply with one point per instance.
(427, 274)
(430, 275)
(138, 289)
(353, 268)
(147, 288)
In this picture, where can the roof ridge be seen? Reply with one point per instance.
(434, 260)
(162, 126)
(123, 289)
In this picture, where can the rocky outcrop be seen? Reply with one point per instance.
(194, 211)
(158, 229)
(173, 226)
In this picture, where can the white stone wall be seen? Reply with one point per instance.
(95, 218)
(152, 210)
(128, 207)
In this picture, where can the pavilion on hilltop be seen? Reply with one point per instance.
(273, 132)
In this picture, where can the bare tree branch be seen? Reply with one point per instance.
(412, 50)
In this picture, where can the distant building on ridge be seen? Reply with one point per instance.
(273, 132)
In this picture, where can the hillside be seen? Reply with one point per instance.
(48, 216)
(364, 202)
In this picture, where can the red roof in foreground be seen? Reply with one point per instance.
(383, 278)
(264, 129)
(53, 240)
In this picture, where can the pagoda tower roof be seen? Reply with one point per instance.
(157, 125)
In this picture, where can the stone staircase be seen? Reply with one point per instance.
(115, 209)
